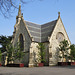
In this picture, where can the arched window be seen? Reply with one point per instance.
(21, 41)
(60, 36)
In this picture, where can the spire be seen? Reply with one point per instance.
(19, 12)
(58, 14)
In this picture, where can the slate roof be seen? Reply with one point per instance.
(40, 33)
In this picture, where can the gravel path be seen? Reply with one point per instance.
(37, 71)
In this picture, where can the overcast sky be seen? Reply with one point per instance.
(41, 12)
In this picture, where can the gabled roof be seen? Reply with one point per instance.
(35, 31)
(46, 30)
(40, 33)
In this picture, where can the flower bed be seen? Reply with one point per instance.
(65, 63)
(72, 63)
(0, 64)
(62, 63)
(69, 63)
(40, 64)
(15, 65)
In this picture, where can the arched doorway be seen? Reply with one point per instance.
(21, 41)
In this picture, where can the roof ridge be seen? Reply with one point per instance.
(32, 22)
(45, 30)
(41, 24)
(48, 22)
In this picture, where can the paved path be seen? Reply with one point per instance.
(37, 71)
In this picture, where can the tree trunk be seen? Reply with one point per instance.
(62, 55)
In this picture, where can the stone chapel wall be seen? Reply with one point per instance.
(54, 42)
(21, 29)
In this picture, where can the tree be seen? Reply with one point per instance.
(7, 6)
(72, 53)
(14, 53)
(10, 51)
(4, 40)
(18, 52)
(41, 47)
(63, 48)
(0, 56)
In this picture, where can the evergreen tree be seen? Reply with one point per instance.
(18, 52)
(41, 47)
(0, 56)
(63, 48)
(10, 51)
(72, 53)
(4, 40)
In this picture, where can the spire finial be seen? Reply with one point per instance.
(19, 12)
(58, 14)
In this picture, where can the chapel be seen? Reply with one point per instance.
(30, 34)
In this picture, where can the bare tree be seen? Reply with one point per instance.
(7, 6)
